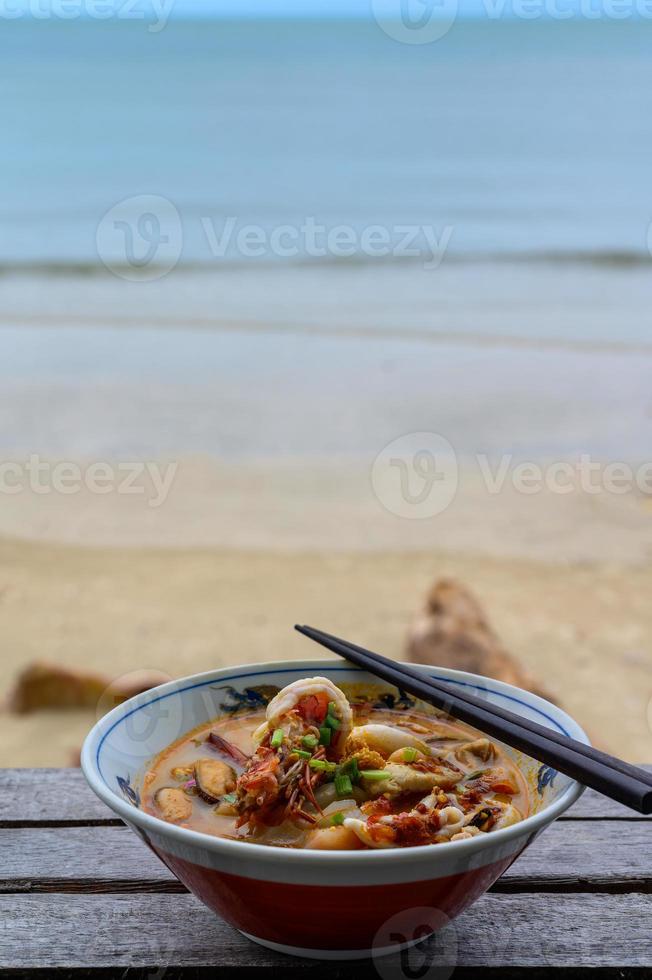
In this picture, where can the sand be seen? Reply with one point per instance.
(584, 627)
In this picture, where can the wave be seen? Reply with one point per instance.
(614, 259)
(345, 332)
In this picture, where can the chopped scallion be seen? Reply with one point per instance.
(343, 786)
(350, 769)
(373, 775)
(301, 753)
(474, 775)
(230, 798)
(324, 736)
(409, 754)
(277, 738)
(310, 741)
(337, 819)
(321, 765)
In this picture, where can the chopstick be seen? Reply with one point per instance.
(610, 776)
(586, 750)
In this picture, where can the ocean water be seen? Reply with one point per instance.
(524, 148)
(526, 139)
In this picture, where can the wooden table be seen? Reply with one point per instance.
(80, 896)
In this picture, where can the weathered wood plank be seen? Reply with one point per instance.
(575, 855)
(60, 797)
(496, 937)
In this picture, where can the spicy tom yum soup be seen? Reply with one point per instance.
(315, 771)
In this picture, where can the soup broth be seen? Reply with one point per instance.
(314, 771)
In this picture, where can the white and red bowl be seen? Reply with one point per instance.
(314, 903)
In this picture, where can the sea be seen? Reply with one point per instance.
(254, 239)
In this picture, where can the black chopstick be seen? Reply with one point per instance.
(588, 751)
(621, 782)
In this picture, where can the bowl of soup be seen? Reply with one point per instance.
(319, 810)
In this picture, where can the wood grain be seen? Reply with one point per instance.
(54, 797)
(575, 855)
(61, 797)
(84, 898)
(500, 936)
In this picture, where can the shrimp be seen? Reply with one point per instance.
(278, 781)
(303, 705)
(258, 787)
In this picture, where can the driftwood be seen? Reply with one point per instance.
(453, 631)
(45, 685)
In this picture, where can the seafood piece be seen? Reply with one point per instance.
(305, 703)
(182, 773)
(214, 779)
(365, 758)
(480, 750)
(383, 739)
(226, 809)
(234, 754)
(339, 838)
(305, 726)
(411, 779)
(258, 787)
(452, 822)
(468, 833)
(493, 815)
(509, 816)
(174, 804)
(425, 824)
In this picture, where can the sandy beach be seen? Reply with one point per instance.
(586, 628)
(278, 511)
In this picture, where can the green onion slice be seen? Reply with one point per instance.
(337, 819)
(373, 775)
(301, 754)
(324, 736)
(343, 786)
(277, 738)
(409, 754)
(310, 741)
(350, 769)
(321, 765)
(476, 774)
(230, 798)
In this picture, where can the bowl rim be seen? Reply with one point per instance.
(131, 814)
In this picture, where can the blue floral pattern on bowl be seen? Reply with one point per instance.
(249, 699)
(130, 794)
(545, 777)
